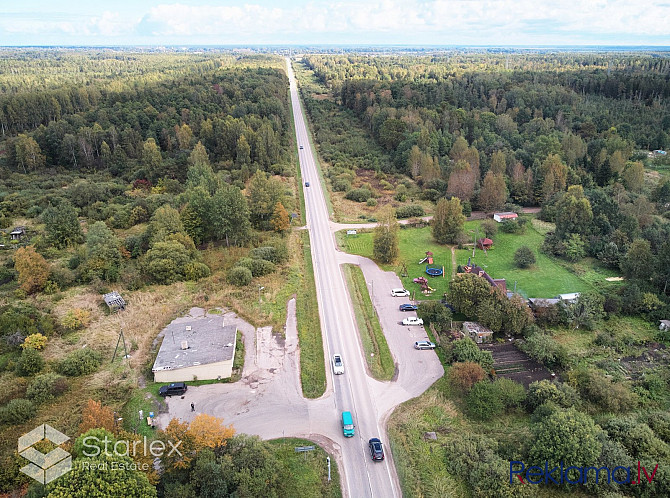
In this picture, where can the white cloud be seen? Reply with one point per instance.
(376, 21)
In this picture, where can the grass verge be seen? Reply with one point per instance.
(309, 469)
(377, 353)
(312, 363)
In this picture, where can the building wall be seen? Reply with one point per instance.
(210, 371)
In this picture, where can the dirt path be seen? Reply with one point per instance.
(453, 262)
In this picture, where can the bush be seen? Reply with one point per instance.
(543, 348)
(35, 341)
(462, 376)
(524, 257)
(543, 391)
(46, 387)
(30, 363)
(465, 349)
(268, 253)
(258, 267)
(358, 195)
(371, 202)
(409, 211)
(512, 394)
(483, 401)
(239, 276)
(17, 411)
(341, 184)
(490, 228)
(80, 362)
(196, 271)
(76, 319)
(603, 392)
(510, 226)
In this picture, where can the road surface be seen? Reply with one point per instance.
(351, 391)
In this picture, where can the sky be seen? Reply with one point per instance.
(357, 22)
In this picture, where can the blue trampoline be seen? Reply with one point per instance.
(433, 271)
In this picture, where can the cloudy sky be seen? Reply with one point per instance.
(407, 22)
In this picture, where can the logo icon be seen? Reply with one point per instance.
(44, 468)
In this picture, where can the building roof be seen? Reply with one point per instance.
(114, 300)
(506, 214)
(569, 297)
(207, 338)
(540, 302)
(476, 328)
(484, 242)
(18, 231)
(666, 323)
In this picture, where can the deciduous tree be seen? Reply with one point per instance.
(448, 220)
(33, 269)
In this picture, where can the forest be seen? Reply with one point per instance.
(582, 137)
(142, 172)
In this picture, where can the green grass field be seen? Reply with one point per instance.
(548, 277)
(309, 469)
(377, 353)
(413, 244)
(312, 366)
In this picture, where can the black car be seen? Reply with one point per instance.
(306, 184)
(376, 449)
(408, 307)
(174, 389)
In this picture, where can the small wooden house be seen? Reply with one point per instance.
(484, 244)
(477, 332)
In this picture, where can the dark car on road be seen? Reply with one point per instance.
(306, 184)
(408, 307)
(376, 449)
(174, 389)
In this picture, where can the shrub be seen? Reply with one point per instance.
(483, 401)
(371, 202)
(341, 184)
(196, 271)
(465, 349)
(511, 394)
(543, 348)
(510, 226)
(409, 211)
(46, 387)
(462, 376)
(76, 319)
(80, 362)
(608, 395)
(490, 228)
(543, 391)
(267, 253)
(524, 257)
(239, 276)
(30, 362)
(258, 267)
(358, 195)
(17, 411)
(35, 341)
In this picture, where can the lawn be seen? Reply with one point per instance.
(547, 278)
(413, 244)
(309, 469)
(377, 353)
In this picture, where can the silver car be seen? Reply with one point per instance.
(424, 345)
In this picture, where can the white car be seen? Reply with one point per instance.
(400, 292)
(424, 345)
(338, 366)
(412, 320)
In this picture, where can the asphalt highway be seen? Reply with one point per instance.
(351, 391)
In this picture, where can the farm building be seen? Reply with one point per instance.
(196, 347)
(484, 244)
(665, 325)
(477, 332)
(508, 215)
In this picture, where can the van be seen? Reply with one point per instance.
(347, 424)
